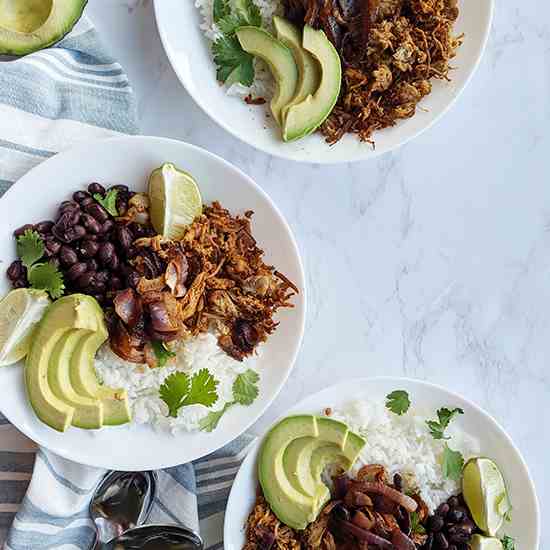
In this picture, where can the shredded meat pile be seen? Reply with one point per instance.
(366, 512)
(390, 50)
(214, 277)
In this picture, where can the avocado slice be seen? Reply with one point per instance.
(76, 311)
(325, 455)
(297, 458)
(291, 506)
(30, 25)
(116, 409)
(280, 60)
(309, 72)
(88, 412)
(304, 118)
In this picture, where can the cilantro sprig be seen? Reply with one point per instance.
(508, 543)
(438, 427)
(179, 390)
(416, 526)
(245, 391)
(41, 276)
(452, 463)
(398, 402)
(108, 201)
(162, 353)
(233, 64)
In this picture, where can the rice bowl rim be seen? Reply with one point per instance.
(242, 495)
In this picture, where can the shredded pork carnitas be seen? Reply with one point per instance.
(390, 50)
(366, 512)
(214, 277)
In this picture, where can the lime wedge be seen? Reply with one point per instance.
(175, 200)
(20, 310)
(485, 494)
(479, 542)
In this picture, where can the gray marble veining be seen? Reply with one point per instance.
(432, 261)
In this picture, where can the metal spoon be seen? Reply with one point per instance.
(122, 500)
(156, 537)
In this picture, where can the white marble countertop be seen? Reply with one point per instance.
(431, 262)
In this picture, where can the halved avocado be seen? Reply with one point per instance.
(309, 72)
(88, 412)
(305, 117)
(280, 60)
(30, 25)
(116, 409)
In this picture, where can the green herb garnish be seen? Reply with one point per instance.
(398, 402)
(162, 353)
(179, 390)
(233, 64)
(438, 427)
(416, 526)
(508, 543)
(46, 276)
(108, 201)
(245, 391)
(30, 247)
(452, 463)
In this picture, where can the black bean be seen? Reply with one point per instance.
(90, 223)
(115, 283)
(21, 230)
(132, 251)
(96, 188)
(435, 523)
(453, 502)
(457, 534)
(97, 285)
(73, 234)
(440, 541)
(85, 279)
(16, 270)
(54, 261)
(107, 226)
(120, 188)
(453, 547)
(106, 252)
(455, 515)
(100, 297)
(98, 212)
(68, 256)
(88, 248)
(76, 271)
(121, 205)
(429, 542)
(113, 263)
(87, 201)
(442, 510)
(64, 221)
(79, 196)
(92, 265)
(340, 512)
(103, 276)
(68, 205)
(468, 526)
(124, 236)
(92, 237)
(132, 278)
(19, 283)
(44, 227)
(137, 229)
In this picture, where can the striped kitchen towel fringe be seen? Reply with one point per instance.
(49, 101)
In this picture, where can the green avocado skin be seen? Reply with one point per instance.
(51, 32)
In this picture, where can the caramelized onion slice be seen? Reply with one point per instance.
(365, 536)
(379, 488)
(401, 542)
(128, 306)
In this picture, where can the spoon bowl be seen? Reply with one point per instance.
(156, 537)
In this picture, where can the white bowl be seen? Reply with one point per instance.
(494, 442)
(190, 56)
(130, 160)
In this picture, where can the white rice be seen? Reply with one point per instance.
(263, 85)
(142, 383)
(403, 444)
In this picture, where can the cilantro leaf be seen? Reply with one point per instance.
(162, 353)
(245, 387)
(46, 276)
(210, 422)
(398, 402)
(438, 427)
(221, 9)
(203, 389)
(249, 12)
(452, 464)
(508, 543)
(233, 63)
(416, 526)
(173, 391)
(108, 201)
(30, 247)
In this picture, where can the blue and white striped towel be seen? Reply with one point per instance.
(48, 102)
